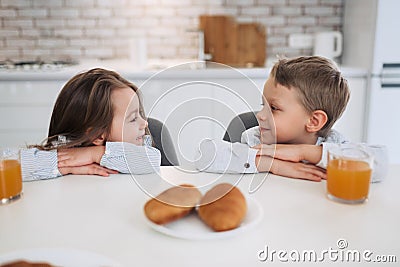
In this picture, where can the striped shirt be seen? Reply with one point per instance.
(124, 157)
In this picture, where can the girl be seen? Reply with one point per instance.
(97, 127)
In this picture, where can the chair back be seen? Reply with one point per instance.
(238, 125)
(163, 142)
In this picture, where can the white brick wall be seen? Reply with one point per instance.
(56, 29)
(5, 12)
(32, 12)
(47, 3)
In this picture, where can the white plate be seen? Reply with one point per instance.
(191, 227)
(59, 257)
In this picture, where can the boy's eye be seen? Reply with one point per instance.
(134, 119)
(273, 107)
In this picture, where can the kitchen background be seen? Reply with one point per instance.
(101, 29)
(86, 31)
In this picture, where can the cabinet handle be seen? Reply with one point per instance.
(390, 76)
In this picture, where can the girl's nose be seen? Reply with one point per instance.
(143, 123)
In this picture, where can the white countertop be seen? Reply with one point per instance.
(190, 71)
(105, 216)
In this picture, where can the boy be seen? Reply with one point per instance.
(302, 99)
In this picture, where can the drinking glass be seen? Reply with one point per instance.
(381, 161)
(349, 173)
(10, 175)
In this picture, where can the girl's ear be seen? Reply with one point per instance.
(99, 141)
(317, 120)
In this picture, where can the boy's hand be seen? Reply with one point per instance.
(91, 169)
(297, 170)
(79, 156)
(288, 152)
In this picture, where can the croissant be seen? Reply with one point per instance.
(23, 263)
(223, 207)
(172, 204)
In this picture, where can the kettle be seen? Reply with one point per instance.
(328, 44)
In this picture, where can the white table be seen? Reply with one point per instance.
(105, 216)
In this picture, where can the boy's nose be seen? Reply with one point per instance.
(261, 116)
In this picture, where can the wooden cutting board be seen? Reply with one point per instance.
(251, 45)
(239, 45)
(220, 37)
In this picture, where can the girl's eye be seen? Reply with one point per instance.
(273, 107)
(134, 119)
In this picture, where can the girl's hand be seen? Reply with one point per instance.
(296, 170)
(79, 156)
(288, 152)
(90, 169)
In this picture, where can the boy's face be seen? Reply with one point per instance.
(127, 124)
(283, 118)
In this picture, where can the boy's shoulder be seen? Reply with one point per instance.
(251, 136)
(333, 136)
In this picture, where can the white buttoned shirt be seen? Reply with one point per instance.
(225, 157)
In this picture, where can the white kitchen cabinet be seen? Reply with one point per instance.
(25, 110)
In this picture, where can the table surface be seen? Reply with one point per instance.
(105, 216)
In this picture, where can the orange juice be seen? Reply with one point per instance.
(10, 179)
(348, 179)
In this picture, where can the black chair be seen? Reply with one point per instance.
(163, 142)
(238, 125)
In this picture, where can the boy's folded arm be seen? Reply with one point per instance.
(130, 158)
(224, 157)
(312, 153)
(291, 152)
(298, 170)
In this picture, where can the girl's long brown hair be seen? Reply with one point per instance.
(83, 110)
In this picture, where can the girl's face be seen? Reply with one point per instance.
(127, 124)
(282, 119)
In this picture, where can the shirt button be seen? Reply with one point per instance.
(247, 165)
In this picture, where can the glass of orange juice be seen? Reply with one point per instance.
(349, 173)
(10, 175)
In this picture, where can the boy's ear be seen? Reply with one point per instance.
(317, 120)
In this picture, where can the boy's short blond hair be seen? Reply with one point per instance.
(319, 83)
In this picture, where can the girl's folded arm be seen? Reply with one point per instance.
(129, 158)
(38, 164)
